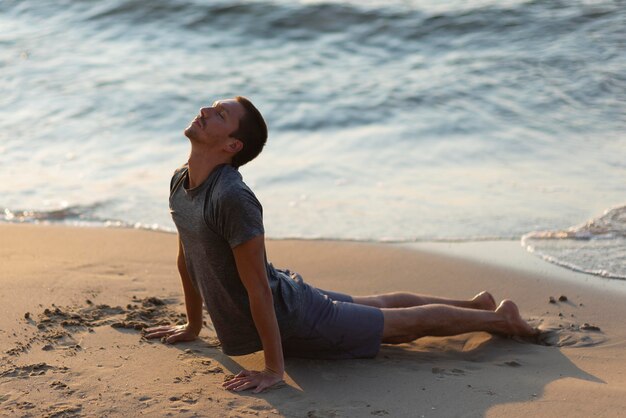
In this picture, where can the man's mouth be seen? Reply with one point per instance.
(198, 121)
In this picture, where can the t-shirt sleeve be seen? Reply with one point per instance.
(239, 216)
(178, 173)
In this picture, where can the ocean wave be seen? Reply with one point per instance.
(61, 214)
(610, 225)
(76, 215)
(308, 20)
(84, 216)
(597, 246)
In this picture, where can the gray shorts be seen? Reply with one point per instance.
(333, 327)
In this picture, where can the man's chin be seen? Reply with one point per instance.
(188, 132)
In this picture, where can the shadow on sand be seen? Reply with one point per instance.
(429, 377)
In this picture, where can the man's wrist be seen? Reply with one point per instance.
(195, 328)
(275, 372)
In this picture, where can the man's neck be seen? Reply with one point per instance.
(201, 164)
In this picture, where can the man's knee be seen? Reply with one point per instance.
(399, 323)
(395, 300)
(377, 301)
(386, 300)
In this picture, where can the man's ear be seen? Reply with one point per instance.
(234, 145)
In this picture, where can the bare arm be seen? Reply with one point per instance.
(193, 300)
(250, 260)
(193, 306)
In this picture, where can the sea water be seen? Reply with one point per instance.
(399, 120)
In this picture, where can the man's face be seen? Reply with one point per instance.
(215, 124)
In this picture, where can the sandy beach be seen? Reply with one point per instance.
(73, 301)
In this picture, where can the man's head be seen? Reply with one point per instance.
(233, 126)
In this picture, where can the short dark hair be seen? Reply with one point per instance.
(252, 132)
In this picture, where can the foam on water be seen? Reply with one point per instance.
(597, 246)
(79, 216)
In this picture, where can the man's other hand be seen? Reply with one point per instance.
(172, 333)
(248, 379)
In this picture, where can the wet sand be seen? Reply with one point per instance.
(74, 301)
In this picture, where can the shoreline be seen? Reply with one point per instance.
(469, 249)
(510, 254)
(100, 278)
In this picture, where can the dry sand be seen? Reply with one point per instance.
(72, 301)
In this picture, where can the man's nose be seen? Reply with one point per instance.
(206, 111)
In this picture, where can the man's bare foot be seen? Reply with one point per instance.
(515, 325)
(484, 301)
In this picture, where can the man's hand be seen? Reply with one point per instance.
(172, 333)
(248, 379)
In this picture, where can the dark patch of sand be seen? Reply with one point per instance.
(55, 326)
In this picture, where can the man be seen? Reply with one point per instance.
(254, 306)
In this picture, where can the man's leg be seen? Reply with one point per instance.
(408, 324)
(483, 300)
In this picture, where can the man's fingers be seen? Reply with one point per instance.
(164, 333)
(161, 331)
(238, 381)
(153, 329)
(182, 335)
(238, 376)
(247, 379)
(244, 386)
(253, 382)
(159, 328)
(156, 334)
(177, 336)
(231, 384)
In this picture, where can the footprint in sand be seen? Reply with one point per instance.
(323, 413)
(64, 410)
(333, 377)
(262, 408)
(453, 372)
(25, 405)
(57, 384)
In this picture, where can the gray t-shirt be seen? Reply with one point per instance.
(211, 219)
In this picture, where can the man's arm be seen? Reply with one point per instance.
(193, 306)
(193, 300)
(250, 260)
